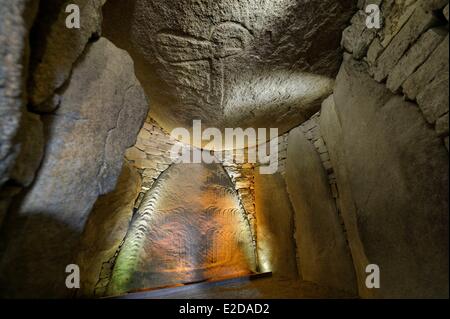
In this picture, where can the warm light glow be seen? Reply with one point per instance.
(190, 227)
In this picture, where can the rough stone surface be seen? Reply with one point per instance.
(374, 51)
(15, 21)
(410, 51)
(264, 288)
(397, 173)
(231, 63)
(357, 38)
(442, 125)
(275, 226)
(436, 64)
(417, 55)
(243, 177)
(322, 251)
(432, 5)
(100, 114)
(31, 141)
(151, 155)
(190, 227)
(395, 15)
(411, 31)
(434, 99)
(56, 48)
(105, 229)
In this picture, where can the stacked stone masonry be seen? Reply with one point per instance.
(311, 129)
(151, 155)
(410, 53)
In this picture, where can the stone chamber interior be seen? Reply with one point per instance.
(87, 176)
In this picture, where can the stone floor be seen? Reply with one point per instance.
(264, 288)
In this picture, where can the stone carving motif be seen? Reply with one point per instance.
(231, 63)
(226, 40)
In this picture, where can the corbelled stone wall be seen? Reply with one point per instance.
(151, 155)
(409, 54)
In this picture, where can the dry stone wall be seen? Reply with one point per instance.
(409, 54)
(56, 48)
(151, 154)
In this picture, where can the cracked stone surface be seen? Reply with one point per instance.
(99, 117)
(231, 63)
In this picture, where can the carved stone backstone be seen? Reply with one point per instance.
(189, 227)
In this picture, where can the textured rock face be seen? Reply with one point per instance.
(21, 135)
(231, 63)
(395, 185)
(11, 80)
(105, 229)
(56, 48)
(100, 113)
(322, 252)
(190, 227)
(16, 19)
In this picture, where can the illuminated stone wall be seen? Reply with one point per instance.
(190, 227)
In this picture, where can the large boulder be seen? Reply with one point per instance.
(231, 63)
(21, 133)
(56, 48)
(100, 114)
(394, 168)
(322, 251)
